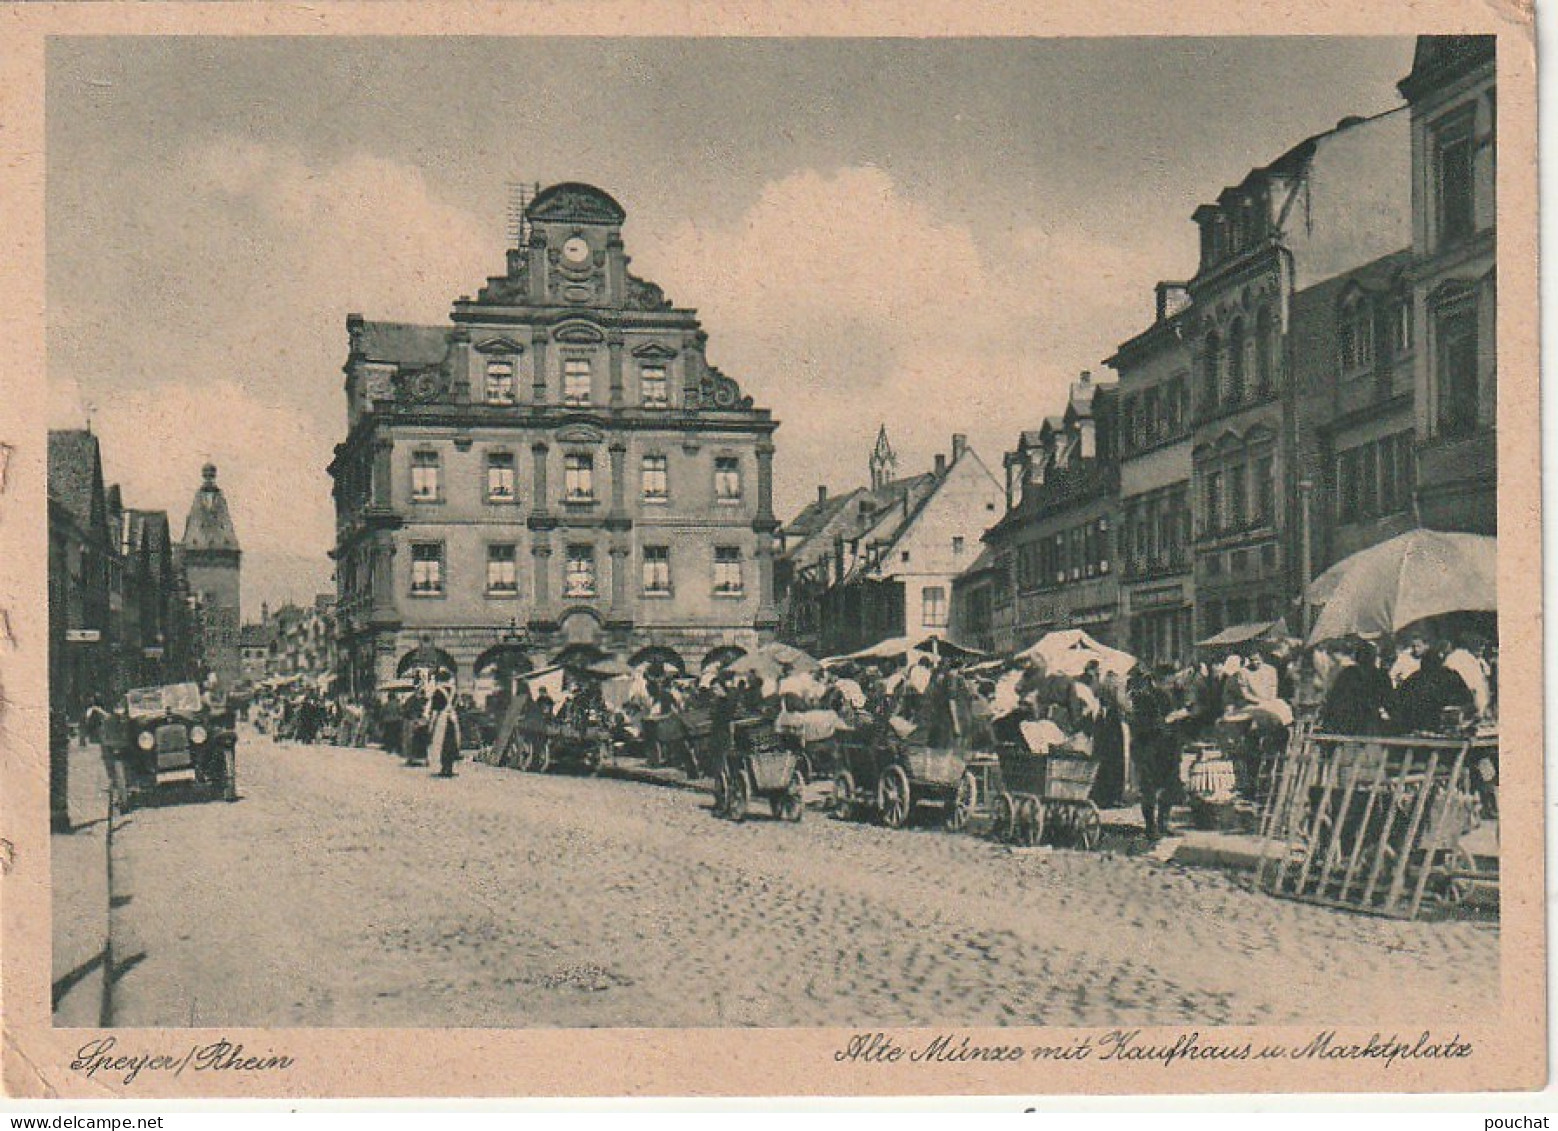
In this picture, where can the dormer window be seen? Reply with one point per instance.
(652, 386)
(576, 382)
(500, 382)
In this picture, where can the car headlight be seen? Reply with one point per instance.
(197, 734)
(145, 740)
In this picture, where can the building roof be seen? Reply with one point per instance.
(578, 202)
(209, 525)
(815, 515)
(1439, 58)
(76, 475)
(397, 343)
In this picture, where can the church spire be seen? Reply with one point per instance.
(884, 463)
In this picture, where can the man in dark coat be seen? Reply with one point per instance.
(1359, 699)
(1421, 700)
(1156, 756)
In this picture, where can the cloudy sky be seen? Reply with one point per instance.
(938, 235)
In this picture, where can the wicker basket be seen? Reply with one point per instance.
(1070, 777)
(936, 767)
(771, 769)
(1022, 771)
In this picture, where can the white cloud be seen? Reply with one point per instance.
(235, 355)
(841, 302)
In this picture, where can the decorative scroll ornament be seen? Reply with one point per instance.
(717, 391)
(422, 386)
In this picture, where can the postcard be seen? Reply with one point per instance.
(610, 550)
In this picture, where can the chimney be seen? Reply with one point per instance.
(822, 492)
(959, 445)
(941, 463)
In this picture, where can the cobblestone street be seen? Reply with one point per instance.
(347, 890)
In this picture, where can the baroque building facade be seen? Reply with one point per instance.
(557, 472)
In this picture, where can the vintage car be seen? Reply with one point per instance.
(163, 731)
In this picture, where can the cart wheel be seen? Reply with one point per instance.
(1030, 822)
(230, 774)
(1003, 824)
(543, 754)
(893, 798)
(961, 807)
(842, 803)
(1089, 827)
(524, 754)
(721, 794)
(740, 796)
(795, 797)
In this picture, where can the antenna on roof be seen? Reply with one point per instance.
(520, 196)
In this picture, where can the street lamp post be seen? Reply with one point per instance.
(1305, 489)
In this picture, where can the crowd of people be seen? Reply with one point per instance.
(1136, 721)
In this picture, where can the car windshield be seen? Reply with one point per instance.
(182, 698)
(144, 701)
(176, 698)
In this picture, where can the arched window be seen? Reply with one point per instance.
(1236, 361)
(1265, 359)
(1211, 372)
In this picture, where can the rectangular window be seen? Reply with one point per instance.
(500, 382)
(957, 545)
(1268, 558)
(1456, 384)
(579, 581)
(654, 483)
(1265, 490)
(1388, 491)
(427, 568)
(576, 381)
(502, 569)
(1347, 486)
(500, 477)
(652, 387)
(727, 479)
(727, 570)
(1238, 498)
(1368, 480)
(1457, 216)
(425, 477)
(578, 478)
(657, 569)
(1214, 502)
(933, 606)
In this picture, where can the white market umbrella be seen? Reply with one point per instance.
(1416, 575)
(1068, 652)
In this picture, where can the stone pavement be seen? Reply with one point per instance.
(347, 889)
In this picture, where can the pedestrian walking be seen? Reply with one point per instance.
(1157, 759)
(444, 723)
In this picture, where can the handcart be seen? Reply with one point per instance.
(1046, 796)
(759, 766)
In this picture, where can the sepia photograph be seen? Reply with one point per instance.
(965, 544)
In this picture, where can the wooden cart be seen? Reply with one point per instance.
(888, 777)
(759, 766)
(1046, 795)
